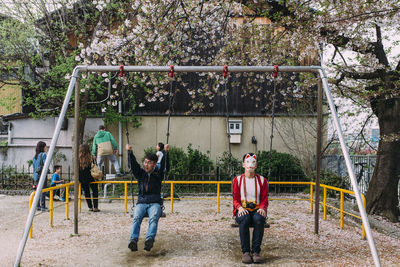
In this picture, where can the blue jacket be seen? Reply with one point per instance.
(36, 162)
(149, 183)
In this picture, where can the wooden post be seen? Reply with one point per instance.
(318, 154)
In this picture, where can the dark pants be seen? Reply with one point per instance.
(59, 192)
(42, 200)
(244, 231)
(95, 191)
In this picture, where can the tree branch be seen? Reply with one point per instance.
(362, 129)
(398, 66)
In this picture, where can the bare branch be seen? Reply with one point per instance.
(362, 129)
(365, 15)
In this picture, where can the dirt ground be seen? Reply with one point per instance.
(194, 235)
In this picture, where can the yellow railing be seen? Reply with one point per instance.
(341, 209)
(218, 198)
(51, 208)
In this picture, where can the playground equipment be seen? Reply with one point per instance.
(323, 85)
(219, 196)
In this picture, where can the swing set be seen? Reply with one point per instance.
(322, 87)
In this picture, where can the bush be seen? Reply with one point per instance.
(223, 163)
(327, 177)
(191, 162)
(282, 165)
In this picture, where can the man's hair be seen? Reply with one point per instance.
(161, 145)
(152, 157)
(101, 127)
(244, 157)
(56, 167)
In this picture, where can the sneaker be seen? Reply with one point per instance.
(148, 244)
(246, 258)
(257, 258)
(119, 174)
(90, 209)
(96, 210)
(62, 199)
(133, 245)
(44, 209)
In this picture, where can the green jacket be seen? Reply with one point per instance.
(102, 138)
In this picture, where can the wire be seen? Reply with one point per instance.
(230, 167)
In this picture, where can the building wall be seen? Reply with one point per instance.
(208, 134)
(25, 133)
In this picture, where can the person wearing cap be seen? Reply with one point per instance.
(250, 203)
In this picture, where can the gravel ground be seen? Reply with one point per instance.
(194, 235)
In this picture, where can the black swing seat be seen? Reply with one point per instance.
(235, 224)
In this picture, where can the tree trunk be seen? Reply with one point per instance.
(382, 195)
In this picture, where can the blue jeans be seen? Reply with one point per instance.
(154, 211)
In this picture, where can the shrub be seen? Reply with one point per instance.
(191, 162)
(327, 177)
(282, 165)
(223, 164)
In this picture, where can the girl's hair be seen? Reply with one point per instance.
(161, 146)
(39, 148)
(85, 158)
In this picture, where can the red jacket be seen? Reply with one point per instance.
(237, 201)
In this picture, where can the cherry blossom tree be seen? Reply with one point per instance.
(364, 67)
(199, 32)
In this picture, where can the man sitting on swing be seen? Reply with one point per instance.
(250, 203)
(149, 201)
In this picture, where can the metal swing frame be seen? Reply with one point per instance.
(323, 85)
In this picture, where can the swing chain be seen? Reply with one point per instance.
(170, 105)
(275, 75)
(225, 74)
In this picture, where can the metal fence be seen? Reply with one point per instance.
(21, 178)
(14, 178)
(363, 167)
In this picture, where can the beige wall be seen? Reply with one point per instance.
(10, 99)
(292, 135)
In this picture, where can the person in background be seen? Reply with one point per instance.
(38, 163)
(56, 180)
(86, 179)
(105, 147)
(160, 153)
(250, 203)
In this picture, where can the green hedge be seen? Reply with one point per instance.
(192, 161)
(282, 164)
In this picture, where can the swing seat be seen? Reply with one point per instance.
(235, 224)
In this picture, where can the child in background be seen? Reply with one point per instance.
(56, 180)
(160, 154)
